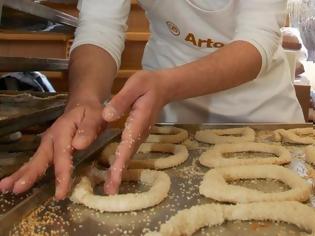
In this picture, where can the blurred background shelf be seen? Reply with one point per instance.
(48, 34)
(42, 11)
(24, 64)
(30, 36)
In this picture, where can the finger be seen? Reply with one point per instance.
(6, 184)
(114, 175)
(88, 129)
(63, 161)
(113, 180)
(122, 102)
(36, 167)
(63, 150)
(135, 130)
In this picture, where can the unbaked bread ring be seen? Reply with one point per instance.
(167, 134)
(180, 155)
(214, 184)
(159, 181)
(188, 221)
(214, 157)
(310, 155)
(294, 136)
(215, 136)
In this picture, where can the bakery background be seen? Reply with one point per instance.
(43, 29)
(34, 55)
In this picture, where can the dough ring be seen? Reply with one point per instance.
(310, 155)
(214, 184)
(180, 155)
(214, 157)
(167, 134)
(215, 136)
(159, 181)
(188, 221)
(294, 136)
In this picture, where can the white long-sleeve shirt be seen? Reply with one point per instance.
(183, 31)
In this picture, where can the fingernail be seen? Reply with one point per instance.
(81, 131)
(14, 191)
(22, 182)
(110, 113)
(110, 189)
(58, 194)
(17, 185)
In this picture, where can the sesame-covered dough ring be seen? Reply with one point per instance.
(214, 184)
(180, 155)
(167, 134)
(294, 136)
(159, 181)
(215, 136)
(188, 221)
(310, 155)
(214, 157)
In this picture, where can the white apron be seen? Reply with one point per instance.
(185, 30)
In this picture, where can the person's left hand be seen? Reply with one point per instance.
(144, 95)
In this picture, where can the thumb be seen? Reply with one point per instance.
(87, 131)
(123, 101)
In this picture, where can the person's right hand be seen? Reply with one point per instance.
(76, 129)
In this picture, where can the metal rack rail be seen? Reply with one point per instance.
(39, 10)
(32, 64)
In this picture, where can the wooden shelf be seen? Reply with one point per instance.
(56, 45)
(34, 36)
(137, 36)
(60, 80)
(34, 44)
(125, 74)
(47, 36)
(8, 64)
(137, 21)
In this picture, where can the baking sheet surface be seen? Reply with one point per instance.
(15, 105)
(66, 218)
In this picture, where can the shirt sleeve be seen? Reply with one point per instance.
(103, 23)
(259, 22)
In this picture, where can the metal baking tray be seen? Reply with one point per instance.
(14, 208)
(19, 110)
(11, 161)
(66, 218)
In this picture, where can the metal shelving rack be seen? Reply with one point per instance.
(42, 11)
(32, 64)
(8, 64)
(1, 7)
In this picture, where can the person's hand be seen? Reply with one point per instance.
(144, 95)
(76, 129)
